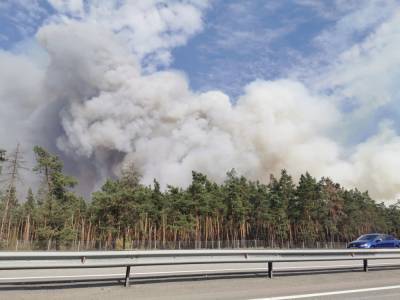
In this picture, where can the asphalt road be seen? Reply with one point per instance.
(297, 280)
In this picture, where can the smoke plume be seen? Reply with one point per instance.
(100, 100)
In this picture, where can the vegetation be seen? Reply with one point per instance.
(125, 213)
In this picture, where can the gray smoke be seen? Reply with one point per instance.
(100, 106)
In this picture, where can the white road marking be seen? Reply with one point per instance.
(123, 274)
(334, 266)
(392, 287)
(60, 276)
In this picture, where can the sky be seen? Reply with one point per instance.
(173, 86)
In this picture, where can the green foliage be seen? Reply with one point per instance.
(57, 208)
(123, 210)
(51, 167)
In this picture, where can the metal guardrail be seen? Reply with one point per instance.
(130, 259)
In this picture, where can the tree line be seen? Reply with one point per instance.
(280, 212)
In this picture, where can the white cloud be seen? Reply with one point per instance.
(150, 27)
(333, 9)
(71, 7)
(369, 72)
(354, 21)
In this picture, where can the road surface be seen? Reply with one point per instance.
(293, 281)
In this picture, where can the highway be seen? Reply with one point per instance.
(306, 280)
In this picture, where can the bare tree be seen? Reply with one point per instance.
(14, 163)
(2, 157)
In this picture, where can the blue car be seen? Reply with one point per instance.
(375, 240)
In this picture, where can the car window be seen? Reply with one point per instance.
(368, 237)
(389, 237)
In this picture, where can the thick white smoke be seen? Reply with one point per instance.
(98, 101)
(166, 129)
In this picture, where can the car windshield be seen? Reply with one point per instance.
(367, 237)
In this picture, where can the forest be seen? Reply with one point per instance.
(125, 214)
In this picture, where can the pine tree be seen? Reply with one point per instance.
(56, 199)
(282, 196)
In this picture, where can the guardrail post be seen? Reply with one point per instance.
(270, 270)
(128, 272)
(365, 265)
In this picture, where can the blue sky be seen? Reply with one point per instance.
(246, 40)
(240, 41)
